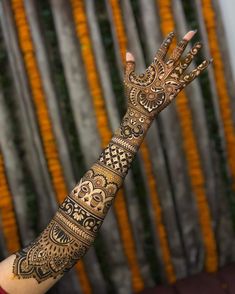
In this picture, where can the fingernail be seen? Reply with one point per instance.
(211, 60)
(129, 56)
(189, 35)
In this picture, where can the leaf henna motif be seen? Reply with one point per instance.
(70, 233)
(153, 90)
(77, 221)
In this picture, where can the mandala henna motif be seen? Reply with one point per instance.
(79, 218)
(152, 91)
(51, 255)
(70, 233)
(152, 100)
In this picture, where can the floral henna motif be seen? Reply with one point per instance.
(70, 233)
(79, 218)
(82, 216)
(134, 124)
(95, 192)
(53, 253)
(152, 91)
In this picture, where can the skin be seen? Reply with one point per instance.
(148, 95)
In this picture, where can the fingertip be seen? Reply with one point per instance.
(171, 34)
(129, 56)
(189, 35)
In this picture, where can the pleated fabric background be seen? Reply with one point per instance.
(61, 98)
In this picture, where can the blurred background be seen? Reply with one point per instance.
(61, 98)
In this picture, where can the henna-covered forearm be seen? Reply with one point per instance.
(79, 218)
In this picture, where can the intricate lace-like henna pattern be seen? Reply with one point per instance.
(95, 192)
(82, 216)
(126, 145)
(152, 91)
(70, 233)
(116, 158)
(183, 65)
(133, 128)
(79, 218)
(56, 250)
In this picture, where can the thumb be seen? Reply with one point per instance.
(130, 63)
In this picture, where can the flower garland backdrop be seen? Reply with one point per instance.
(143, 254)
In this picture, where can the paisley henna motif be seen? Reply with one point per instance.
(52, 254)
(79, 218)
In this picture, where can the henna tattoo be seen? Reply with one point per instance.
(81, 215)
(53, 253)
(111, 177)
(70, 233)
(133, 127)
(152, 91)
(116, 158)
(183, 65)
(79, 218)
(126, 145)
(177, 52)
(95, 192)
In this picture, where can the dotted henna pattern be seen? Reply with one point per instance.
(79, 218)
(153, 90)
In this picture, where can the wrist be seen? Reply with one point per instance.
(134, 126)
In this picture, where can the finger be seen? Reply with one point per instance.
(162, 51)
(179, 49)
(130, 63)
(188, 78)
(189, 35)
(183, 65)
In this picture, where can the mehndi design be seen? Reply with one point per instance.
(152, 91)
(79, 218)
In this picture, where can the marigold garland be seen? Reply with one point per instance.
(192, 154)
(44, 122)
(220, 82)
(7, 213)
(105, 136)
(158, 215)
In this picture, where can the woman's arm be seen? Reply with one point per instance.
(78, 219)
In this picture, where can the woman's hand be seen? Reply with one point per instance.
(76, 223)
(153, 90)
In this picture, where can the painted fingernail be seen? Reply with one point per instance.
(129, 57)
(189, 35)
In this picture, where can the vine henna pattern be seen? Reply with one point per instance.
(153, 90)
(79, 218)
